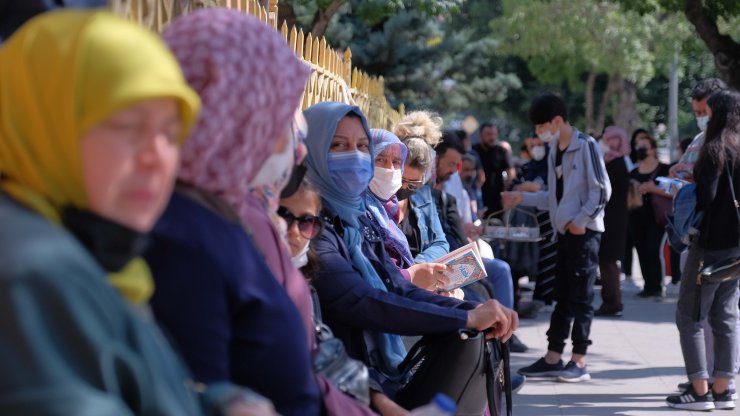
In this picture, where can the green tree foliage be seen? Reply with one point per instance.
(715, 21)
(316, 15)
(446, 62)
(595, 47)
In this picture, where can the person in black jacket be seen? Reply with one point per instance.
(717, 175)
(613, 241)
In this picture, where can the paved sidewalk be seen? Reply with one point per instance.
(635, 362)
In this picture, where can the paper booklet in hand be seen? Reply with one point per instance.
(464, 266)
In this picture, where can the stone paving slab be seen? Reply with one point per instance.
(635, 363)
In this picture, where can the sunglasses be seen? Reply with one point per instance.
(308, 225)
(412, 185)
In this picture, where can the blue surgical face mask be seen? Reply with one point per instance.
(351, 171)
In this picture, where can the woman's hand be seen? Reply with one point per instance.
(650, 187)
(386, 406)
(472, 231)
(428, 275)
(501, 320)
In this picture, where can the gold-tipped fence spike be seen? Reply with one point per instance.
(299, 43)
(307, 47)
(272, 7)
(284, 35)
(322, 52)
(315, 51)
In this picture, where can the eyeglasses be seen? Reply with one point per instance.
(412, 185)
(308, 225)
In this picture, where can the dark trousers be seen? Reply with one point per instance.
(611, 292)
(578, 260)
(648, 237)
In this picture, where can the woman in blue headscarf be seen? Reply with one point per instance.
(364, 297)
(382, 203)
(390, 155)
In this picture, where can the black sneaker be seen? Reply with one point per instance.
(607, 313)
(689, 400)
(541, 368)
(724, 401)
(572, 373)
(685, 385)
(516, 345)
(650, 294)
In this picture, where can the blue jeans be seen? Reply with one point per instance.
(499, 274)
(498, 280)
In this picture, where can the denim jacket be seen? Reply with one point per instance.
(433, 241)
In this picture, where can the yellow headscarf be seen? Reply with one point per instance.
(60, 74)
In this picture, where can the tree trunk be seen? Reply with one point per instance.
(590, 102)
(287, 13)
(626, 114)
(322, 18)
(725, 50)
(611, 86)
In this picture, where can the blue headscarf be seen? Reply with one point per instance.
(383, 138)
(323, 119)
(386, 213)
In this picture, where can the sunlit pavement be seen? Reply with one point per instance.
(635, 362)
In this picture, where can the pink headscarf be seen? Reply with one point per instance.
(250, 83)
(613, 132)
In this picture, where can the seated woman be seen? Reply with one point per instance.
(364, 297)
(382, 203)
(89, 153)
(216, 294)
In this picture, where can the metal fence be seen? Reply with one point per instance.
(333, 77)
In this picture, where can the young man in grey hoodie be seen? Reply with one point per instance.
(575, 199)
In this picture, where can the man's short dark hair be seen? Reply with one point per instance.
(484, 126)
(546, 107)
(450, 140)
(707, 87)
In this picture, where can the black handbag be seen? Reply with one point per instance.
(331, 360)
(460, 365)
(725, 270)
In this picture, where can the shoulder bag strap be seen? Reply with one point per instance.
(507, 378)
(491, 378)
(316, 308)
(732, 189)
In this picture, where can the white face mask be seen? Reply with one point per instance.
(548, 137)
(702, 122)
(538, 152)
(275, 172)
(386, 182)
(604, 147)
(302, 258)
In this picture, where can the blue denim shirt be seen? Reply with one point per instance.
(433, 242)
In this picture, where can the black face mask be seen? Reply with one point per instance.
(641, 153)
(402, 194)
